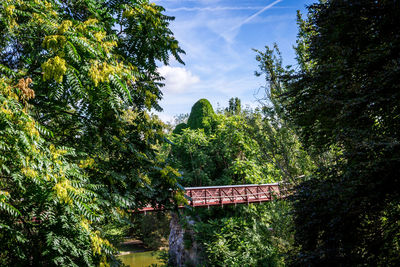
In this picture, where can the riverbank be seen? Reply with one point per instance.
(132, 246)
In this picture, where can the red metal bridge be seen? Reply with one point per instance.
(227, 195)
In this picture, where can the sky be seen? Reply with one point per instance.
(218, 37)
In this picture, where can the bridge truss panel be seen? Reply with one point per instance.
(227, 195)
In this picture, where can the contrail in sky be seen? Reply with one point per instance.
(255, 15)
(218, 8)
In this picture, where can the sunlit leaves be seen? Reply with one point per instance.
(70, 153)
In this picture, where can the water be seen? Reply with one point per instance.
(140, 259)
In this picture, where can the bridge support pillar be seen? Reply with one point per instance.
(183, 248)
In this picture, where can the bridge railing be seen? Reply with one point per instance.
(231, 194)
(227, 195)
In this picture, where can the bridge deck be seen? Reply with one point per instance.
(227, 195)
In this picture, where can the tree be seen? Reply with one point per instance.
(81, 76)
(344, 96)
(273, 131)
(201, 115)
(46, 202)
(220, 156)
(235, 107)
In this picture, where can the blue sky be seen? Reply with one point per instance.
(218, 37)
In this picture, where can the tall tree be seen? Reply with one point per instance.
(345, 96)
(82, 75)
(235, 106)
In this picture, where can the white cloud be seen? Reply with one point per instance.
(177, 79)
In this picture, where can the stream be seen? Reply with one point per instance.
(133, 253)
(140, 259)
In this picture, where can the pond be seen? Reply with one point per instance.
(140, 259)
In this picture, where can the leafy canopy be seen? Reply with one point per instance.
(78, 146)
(344, 101)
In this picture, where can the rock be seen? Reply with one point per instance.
(183, 248)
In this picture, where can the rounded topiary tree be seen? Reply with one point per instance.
(201, 115)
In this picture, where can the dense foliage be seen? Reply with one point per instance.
(201, 117)
(344, 100)
(78, 148)
(254, 235)
(240, 147)
(222, 157)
